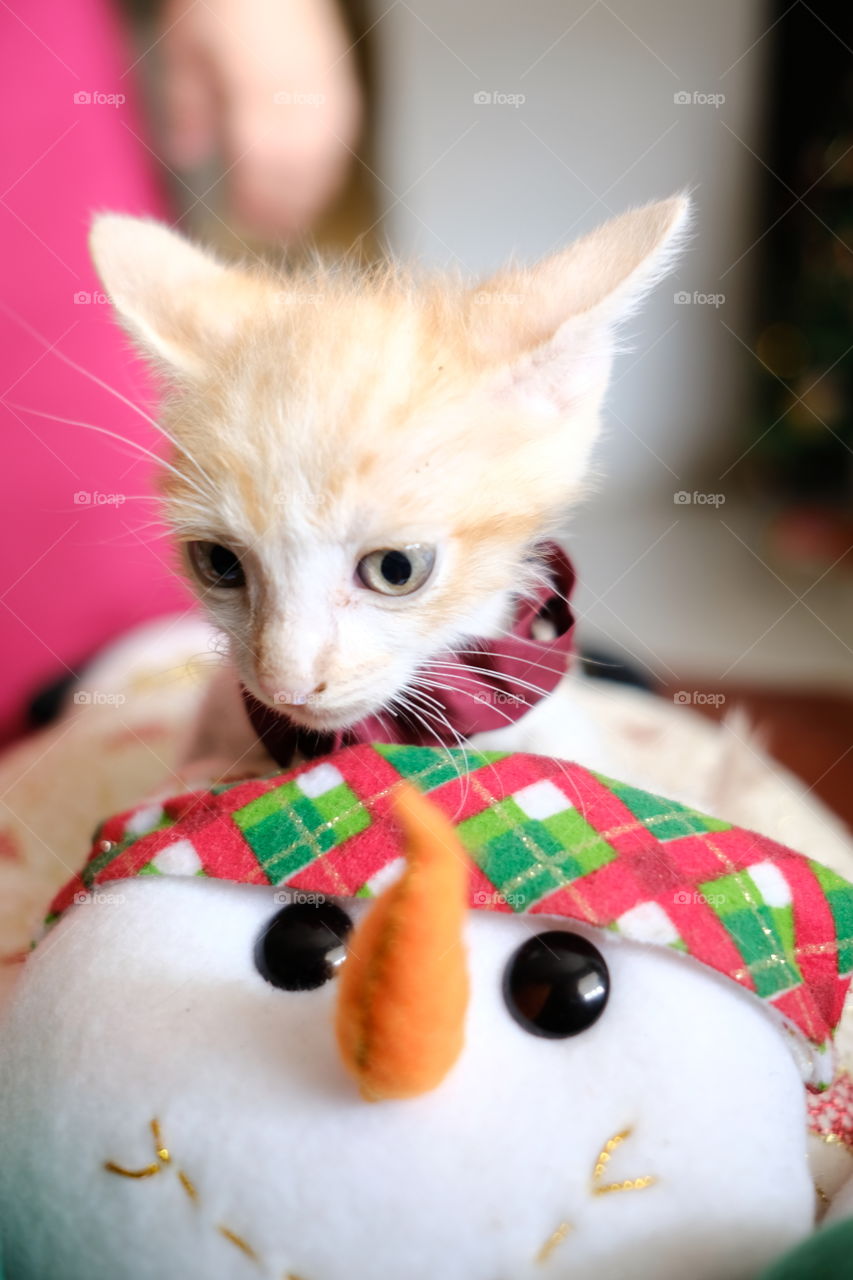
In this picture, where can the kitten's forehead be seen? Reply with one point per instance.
(358, 415)
(337, 413)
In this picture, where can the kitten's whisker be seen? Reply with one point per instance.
(463, 742)
(105, 431)
(419, 713)
(468, 694)
(442, 719)
(463, 668)
(53, 350)
(548, 582)
(500, 631)
(476, 694)
(164, 532)
(439, 715)
(524, 640)
(451, 668)
(488, 671)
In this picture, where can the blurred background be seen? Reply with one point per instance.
(716, 557)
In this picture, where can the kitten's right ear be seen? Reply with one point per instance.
(176, 300)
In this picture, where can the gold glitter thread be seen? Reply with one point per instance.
(147, 1172)
(630, 1184)
(555, 1238)
(161, 1150)
(164, 1158)
(604, 1155)
(242, 1245)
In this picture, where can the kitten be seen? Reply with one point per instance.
(323, 420)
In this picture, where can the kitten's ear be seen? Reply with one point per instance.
(176, 300)
(554, 335)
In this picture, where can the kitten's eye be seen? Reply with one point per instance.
(216, 565)
(556, 985)
(397, 572)
(303, 945)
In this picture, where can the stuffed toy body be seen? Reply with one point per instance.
(318, 1027)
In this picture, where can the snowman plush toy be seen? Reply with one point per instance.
(403, 1013)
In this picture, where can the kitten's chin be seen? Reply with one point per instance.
(321, 719)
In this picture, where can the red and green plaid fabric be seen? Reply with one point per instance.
(831, 1112)
(545, 837)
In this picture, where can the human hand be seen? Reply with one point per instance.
(268, 87)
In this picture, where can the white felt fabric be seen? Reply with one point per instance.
(146, 1003)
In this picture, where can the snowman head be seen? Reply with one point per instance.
(349, 1072)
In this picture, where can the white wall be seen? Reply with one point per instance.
(682, 589)
(598, 131)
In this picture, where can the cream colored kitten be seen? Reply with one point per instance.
(321, 418)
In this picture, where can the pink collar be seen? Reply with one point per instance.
(495, 682)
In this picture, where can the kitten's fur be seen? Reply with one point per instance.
(318, 417)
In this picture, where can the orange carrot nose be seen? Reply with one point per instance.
(404, 984)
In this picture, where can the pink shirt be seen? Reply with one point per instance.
(77, 568)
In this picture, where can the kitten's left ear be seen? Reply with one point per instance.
(550, 327)
(175, 299)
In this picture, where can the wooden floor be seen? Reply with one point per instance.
(812, 734)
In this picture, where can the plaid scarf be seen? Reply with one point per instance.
(544, 837)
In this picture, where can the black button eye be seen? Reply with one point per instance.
(556, 985)
(302, 946)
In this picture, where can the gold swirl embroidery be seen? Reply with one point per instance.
(147, 1172)
(598, 1188)
(241, 1244)
(161, 1152)
(628, 1184)
(164, 1158)
(555, 1239)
